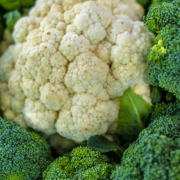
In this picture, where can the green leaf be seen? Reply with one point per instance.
(103, 145)
(156, 95)
(134, 115)
(11, 19)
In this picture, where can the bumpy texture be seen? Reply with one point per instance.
(126, 7)
(24, 154)
(71, 66)
(155, 154)
(158, 2)
(82, 163)
(163, 109)
(164, 59)
(164, 56)
(160, 16)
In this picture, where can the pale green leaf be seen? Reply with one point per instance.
(133, 116)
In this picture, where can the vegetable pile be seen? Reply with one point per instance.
(89, 90)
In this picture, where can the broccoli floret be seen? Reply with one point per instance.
(162, 15)
(24, 154)
(82, 163)
(164, 59)
(155, 154)
(163, 109)
(158, 2)
(16, 4)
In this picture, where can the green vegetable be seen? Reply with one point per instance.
(164, 56)
(163, 109)
(164, 59)
(24, 154)
(160, 16)
(158, 2)
(155, 154)
(11, 19)
(102, 144)
(15, 4)
(82, 163)
(133, 116)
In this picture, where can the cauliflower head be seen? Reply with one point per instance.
(71, 63)
(125, 7)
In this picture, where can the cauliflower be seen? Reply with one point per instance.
(118, 7)
(71, 66)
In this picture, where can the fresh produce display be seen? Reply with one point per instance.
(89, 90)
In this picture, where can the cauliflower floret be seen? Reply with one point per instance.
(23, 27)
(144, 91)
(128, 61)
(71, 67)
(86, 73)
(126, 7)
(39, 117)
(83, 115)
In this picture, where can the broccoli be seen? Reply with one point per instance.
(82, 163)
(15, 4)
(24, 154)
(160, 16)
(164, 56)
(155, 154)
(163, 109)
(158, 2)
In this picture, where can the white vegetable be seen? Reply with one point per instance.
(73, 65)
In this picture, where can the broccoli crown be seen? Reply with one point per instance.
(158, 2)
(163, 109)
(156, 157)
(164, 59)
(155, 154)
(161, 15)
(24, 154)
(82, 163)
(15, 4)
